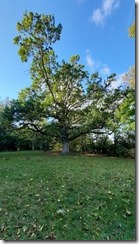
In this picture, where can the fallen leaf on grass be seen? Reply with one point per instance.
(24, 228)
(60, 211)
(128, 213)
(110, 193)
(37, 195)
(110, 198)
(18, 232)
(97, 233)
(41, 227)
(32, 235)
(52, 236)
(97, 217)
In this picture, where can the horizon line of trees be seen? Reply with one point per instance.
(12, 138)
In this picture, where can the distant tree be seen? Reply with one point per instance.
(129, 77)
(126, 112)
(123, 144)
(27, 139)
(7, 140)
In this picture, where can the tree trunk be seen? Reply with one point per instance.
(65, 141)
(65, 147)
(33, 146)
(115, 143)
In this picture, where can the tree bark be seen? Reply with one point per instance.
(33, 146)
(65, 141)
(65, 147)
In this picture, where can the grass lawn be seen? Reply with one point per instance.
(66, 198)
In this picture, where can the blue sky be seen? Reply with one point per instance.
(97, 30)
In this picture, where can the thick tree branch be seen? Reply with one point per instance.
(84, 131)
(42, 67)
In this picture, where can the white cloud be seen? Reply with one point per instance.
(95, 65)
(99, 15)
(105, 70)
(89, 60)
(107, 7)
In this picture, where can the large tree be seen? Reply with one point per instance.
(64, 101)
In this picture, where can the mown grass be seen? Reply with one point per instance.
(66, 198)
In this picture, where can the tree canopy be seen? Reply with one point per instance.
(64, 101)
